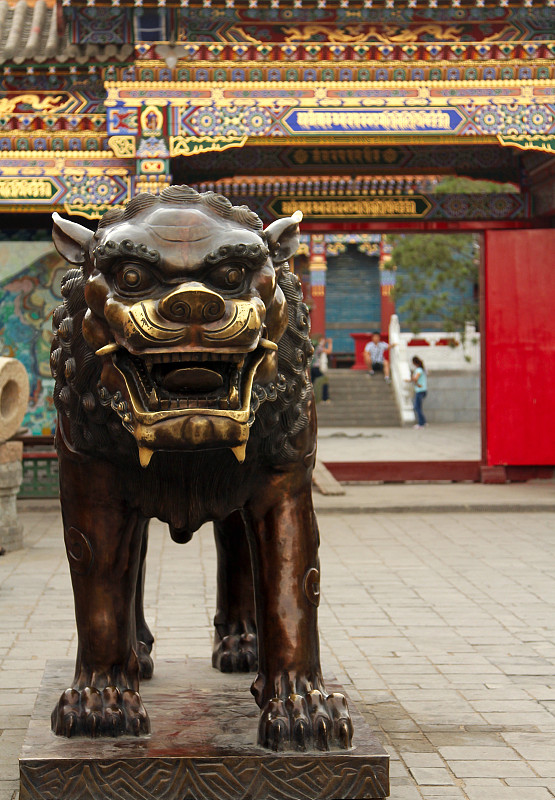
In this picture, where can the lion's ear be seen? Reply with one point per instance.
(284, 237)
(71, 240)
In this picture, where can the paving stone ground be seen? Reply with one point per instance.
(441, 626)
(454, 441)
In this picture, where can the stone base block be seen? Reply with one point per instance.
(11, 537)
(11, 474)
(202, 747)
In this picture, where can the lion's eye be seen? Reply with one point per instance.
(227, 277)
(133, 278)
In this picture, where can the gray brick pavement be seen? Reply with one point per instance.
(441, 626)
(453, 441)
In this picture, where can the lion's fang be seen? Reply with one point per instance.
(108, 349)
(145, 454)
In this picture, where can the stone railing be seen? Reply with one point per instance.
(441, 350)
(400, 372)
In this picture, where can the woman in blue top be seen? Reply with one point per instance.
(420, 380)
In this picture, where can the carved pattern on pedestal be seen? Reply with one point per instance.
(164, 779)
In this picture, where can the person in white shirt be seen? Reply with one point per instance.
(319, 366)
(374, 356)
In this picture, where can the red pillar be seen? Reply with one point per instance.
(388, 308)
(317, 268)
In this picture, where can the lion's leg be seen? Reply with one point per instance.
(103, 541)
(296, 709)
(145, 639)
(235, 628)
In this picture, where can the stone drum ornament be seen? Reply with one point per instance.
(180, 363)
(14, 398)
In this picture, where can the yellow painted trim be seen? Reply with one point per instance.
(252, 42)
(54, 155)
(90, 210)
(244, 85)
(528, 141)
(192, 145)
(364, 139)
(30, 172)
(123, 146)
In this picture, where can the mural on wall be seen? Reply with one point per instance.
(30, 275)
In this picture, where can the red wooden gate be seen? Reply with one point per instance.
(518, 325)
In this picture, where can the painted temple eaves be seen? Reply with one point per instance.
(101, 100)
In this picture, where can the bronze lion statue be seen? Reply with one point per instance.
(180, 363)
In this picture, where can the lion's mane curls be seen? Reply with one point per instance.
(76, 372)
(281, 407)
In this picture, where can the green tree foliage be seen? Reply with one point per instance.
(455, 184)
(436, 275)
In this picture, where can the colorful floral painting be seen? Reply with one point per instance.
(30, 275)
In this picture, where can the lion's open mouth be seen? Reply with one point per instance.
(174, 381)
(187, 401)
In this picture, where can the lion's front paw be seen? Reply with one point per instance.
(91, 712)
(305, 720)
(236, 653)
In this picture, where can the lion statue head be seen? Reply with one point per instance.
(183, 319)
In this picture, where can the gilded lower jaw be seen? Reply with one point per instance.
(198, 398)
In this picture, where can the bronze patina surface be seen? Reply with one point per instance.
(180, 358)
(202, 746)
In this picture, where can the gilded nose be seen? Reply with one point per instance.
(192, 304)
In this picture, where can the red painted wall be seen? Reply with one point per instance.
(519, 328)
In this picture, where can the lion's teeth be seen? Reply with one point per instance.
(167, 358)
(234, 397)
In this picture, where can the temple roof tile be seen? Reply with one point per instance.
(31, 31)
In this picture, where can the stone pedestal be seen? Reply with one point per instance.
(11, 474)
(202, 747)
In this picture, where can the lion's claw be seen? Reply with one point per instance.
(136, 718)
(274, 728)
(146, 664)
(93, 713)
(305, 720)
(236, 653)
